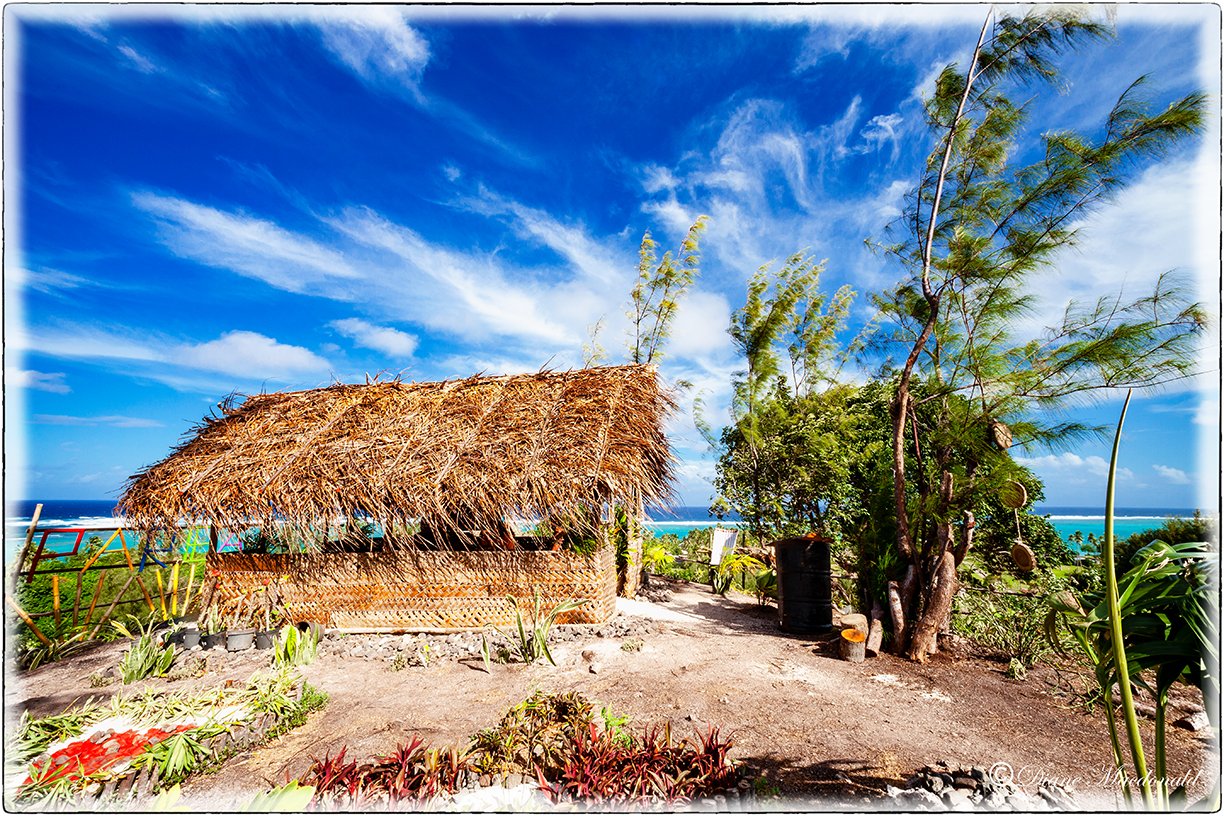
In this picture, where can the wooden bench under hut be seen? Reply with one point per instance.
(392, 506)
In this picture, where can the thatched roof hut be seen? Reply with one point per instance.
(457, 454)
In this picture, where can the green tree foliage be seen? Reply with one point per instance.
(656, 295)
(977, 227)
(784, 461)
(1172, 531)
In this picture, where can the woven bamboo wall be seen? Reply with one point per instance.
(412, 590)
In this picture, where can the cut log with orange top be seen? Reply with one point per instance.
(853, 645)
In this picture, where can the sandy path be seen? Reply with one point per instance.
(809, 720)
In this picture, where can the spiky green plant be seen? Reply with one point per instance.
(145, 657)
(295, 647)
(530, 636)
(1152, 627)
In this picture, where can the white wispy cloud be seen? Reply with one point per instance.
(824, 42)
(1072, 463)
(770, 184)
(450, 291)
(240, 356)
(247, 354)
(588, 256)
(138, 60)
(700, 327)
(1172, 474)
(379, 338)
(111, 421)
(656, 179)
(248, 245)
(52, 381)
(375, 42)
(47, 281)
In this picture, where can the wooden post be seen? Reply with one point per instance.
(148, 598)
(853, 645)
(875, 632)
(76, 603)
(55, 599)
(96, 593)
(161, 594)
(127, 556)
(187, 594)
(111, 608)
(898, 613)
(212, 538)
(21, 613)
(633, 572)
(101, 550)
(25, 548)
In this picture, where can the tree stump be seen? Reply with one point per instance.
(854, 621)
(853, 645)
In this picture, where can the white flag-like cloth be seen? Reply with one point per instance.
(722, 542)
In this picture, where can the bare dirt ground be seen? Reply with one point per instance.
(828, 733)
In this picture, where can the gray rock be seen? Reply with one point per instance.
(957, 800)
(594, 668)
(995, 800)
(1019, 800)
(1195, 722)
(920, 798)
(1055, 796)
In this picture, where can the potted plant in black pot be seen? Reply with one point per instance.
(211, 628)
(241, 632)
(272, 616)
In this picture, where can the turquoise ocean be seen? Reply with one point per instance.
(677, 520)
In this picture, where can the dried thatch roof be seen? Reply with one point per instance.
(456, 453)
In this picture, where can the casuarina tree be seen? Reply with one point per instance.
(984, 219)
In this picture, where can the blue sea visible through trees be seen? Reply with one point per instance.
(679, 520)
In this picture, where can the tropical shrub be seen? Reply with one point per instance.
(295, 647)
(532, 636)
(146, 657)
(534, 735)
(410, 773)
(1152, 627)
(1007, 622)
(1172, 531)
(611, 770)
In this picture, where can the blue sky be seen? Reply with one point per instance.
(208, 199)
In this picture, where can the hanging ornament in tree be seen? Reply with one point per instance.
(1013, 495)
(1023, 556)
(1000, 434)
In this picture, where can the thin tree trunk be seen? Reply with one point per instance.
(901, 405)
(936, 598)
(924, 641)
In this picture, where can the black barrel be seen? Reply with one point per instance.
(805, 585)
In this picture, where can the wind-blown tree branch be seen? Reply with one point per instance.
(779, 458)
(656, 295)
(976, 230)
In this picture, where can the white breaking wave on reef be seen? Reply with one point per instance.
(1102, 518)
